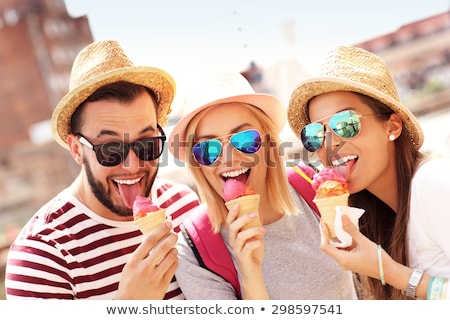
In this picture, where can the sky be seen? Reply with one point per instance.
(182, 36)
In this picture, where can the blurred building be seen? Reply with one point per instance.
(38, 43)
(419, 57)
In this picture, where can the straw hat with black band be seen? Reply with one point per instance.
(102, 63)
(357, 70)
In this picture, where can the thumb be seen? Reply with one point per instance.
(349, 227)
(232, 214)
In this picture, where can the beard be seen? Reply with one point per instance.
(103, 193)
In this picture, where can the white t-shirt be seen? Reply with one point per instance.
(429, 221)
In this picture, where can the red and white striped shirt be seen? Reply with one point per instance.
(66, 251)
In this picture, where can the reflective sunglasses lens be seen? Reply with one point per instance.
(312, 136)
(111, 154)
(345, 124)
(248, 141)
(207, 152)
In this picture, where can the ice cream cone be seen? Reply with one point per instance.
(247, 204)
(151, 221)
(327, 208)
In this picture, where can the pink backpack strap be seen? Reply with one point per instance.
(209, 247)
(300, 177)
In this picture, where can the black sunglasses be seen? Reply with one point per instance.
(114, 153)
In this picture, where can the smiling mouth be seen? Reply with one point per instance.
(128, 190)
(241, 174)
(339, 161)
(123, 181)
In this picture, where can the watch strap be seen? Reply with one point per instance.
(413, 282)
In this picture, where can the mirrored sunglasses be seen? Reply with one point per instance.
(206, 152)
(114, 153)
(345, 124)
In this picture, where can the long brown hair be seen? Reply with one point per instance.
(380, 223)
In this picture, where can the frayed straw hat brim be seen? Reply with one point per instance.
(355, 70)
(155, 79)
(309, 89)
(102, 63)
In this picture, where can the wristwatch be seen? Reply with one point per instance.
(414, 280)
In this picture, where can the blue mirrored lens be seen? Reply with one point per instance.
(248, 141)
(345, 124)
(207, 152)
(312, 136)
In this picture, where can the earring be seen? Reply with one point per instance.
(391, 137)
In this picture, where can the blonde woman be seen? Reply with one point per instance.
(231, 132)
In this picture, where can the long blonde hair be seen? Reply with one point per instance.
(277, 183)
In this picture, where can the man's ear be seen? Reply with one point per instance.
(75, 148)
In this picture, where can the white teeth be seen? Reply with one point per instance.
(232, 174)
(128, 181)
(341, 161)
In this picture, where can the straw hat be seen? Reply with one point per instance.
(357, 70)
(218, 88)
(102, 63)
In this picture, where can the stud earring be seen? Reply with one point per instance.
(391, 137)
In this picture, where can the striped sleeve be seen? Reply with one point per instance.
(65, 252)
(179, 199)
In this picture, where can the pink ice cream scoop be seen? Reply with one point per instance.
(236, 192)
(143, 205)
(235, 189)
(147, 216)
(328, 183)
(331, 191)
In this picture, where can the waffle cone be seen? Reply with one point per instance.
(327, 208)
(151, 221)
(247, 204)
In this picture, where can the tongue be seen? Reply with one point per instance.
(128, 192)
(242, 178)
(344, 169)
